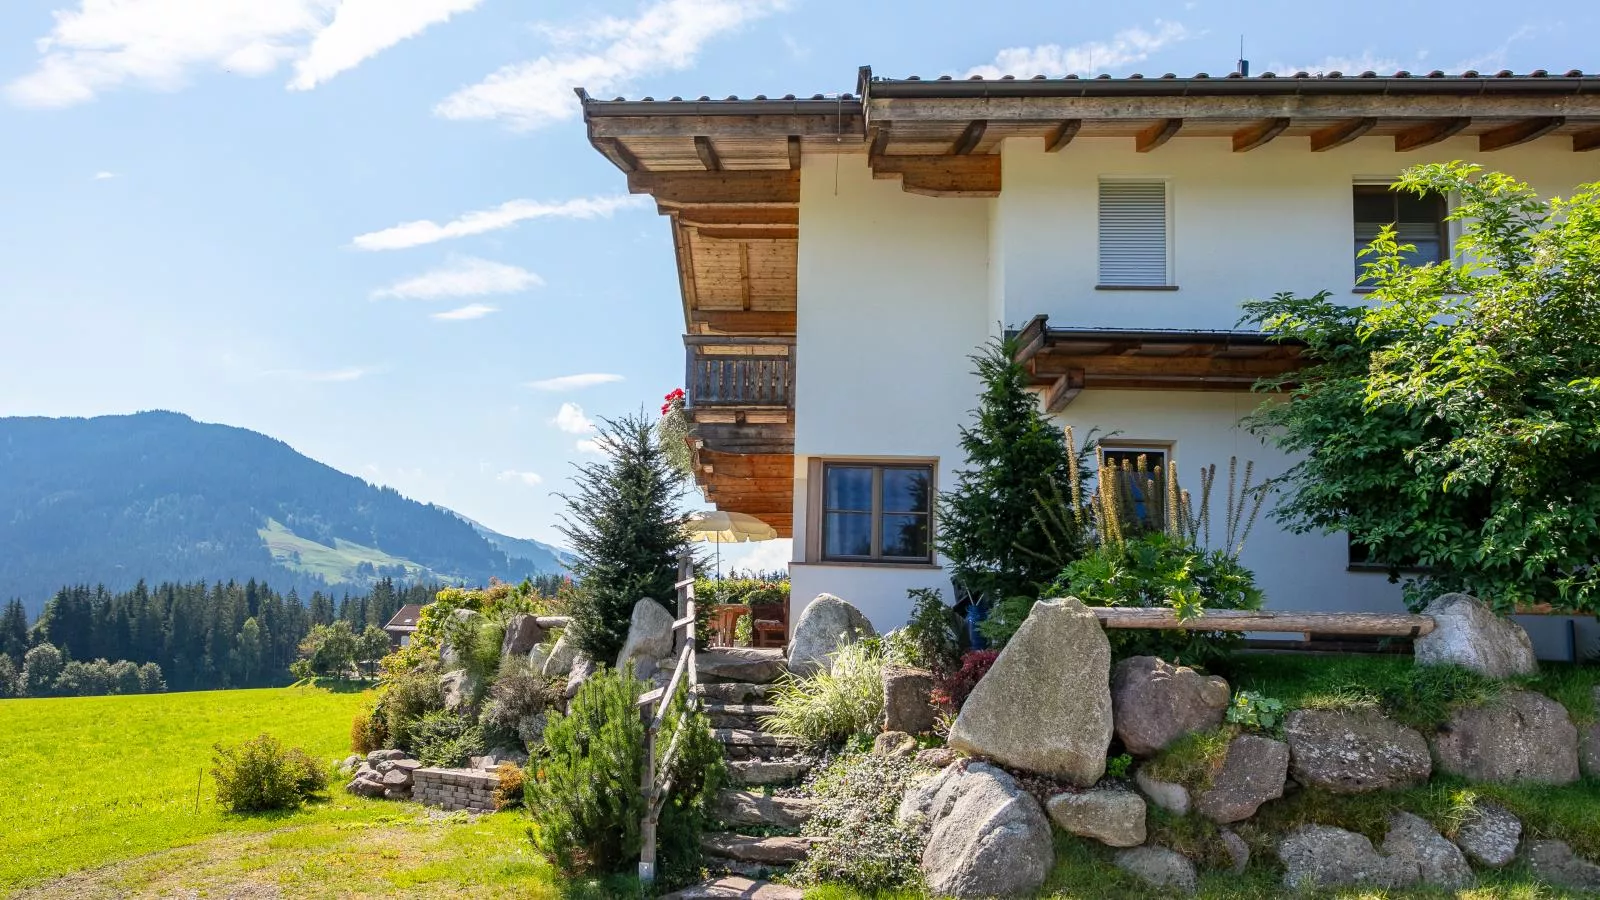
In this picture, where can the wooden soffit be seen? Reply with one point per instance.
(760, 485)
(1068, 361)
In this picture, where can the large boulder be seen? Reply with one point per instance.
(1045, 706)
(1253, 772)
(1489, 835)
(1589, 744)
(450, 656)
(1355, 751)
(582, 668)
(1163, 869)
(1519, 736)
(1423, 855)
(1170, 796)
(987, 837)
(523, 634)
(906, 706)
(1554, 862)
(751, 665)
(649, 638)
(826, 624)
(1468, 633)
(559, 662)
(459, 689)
(1154, 703)
(1114, 816)
(1321, 857)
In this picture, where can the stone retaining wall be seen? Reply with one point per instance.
(470, 789)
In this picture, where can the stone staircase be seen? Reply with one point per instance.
(761, 839)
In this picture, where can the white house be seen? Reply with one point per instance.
(840, 258)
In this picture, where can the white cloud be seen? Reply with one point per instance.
(531, 479)
(362, 29)
(426, 231)
(588, 445)
(465, 313)
(574, 382)
(103, 176)
(570, 418)
(348, 373)
(466, 276)
(161, 44)
(666, 36)
(1125, 47)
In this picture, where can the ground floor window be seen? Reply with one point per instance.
(1125, 462)
(877, 512)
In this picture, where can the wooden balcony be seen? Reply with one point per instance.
(739, 372)
(740, 404)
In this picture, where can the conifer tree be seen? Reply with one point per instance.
(14, 632)
(990, 527)
(625, 532)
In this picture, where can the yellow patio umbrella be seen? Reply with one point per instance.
(720, 527)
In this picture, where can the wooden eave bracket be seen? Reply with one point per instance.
(1518, 133)
(942, 176)
(1063, 391)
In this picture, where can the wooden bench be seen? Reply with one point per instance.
(1366, 624)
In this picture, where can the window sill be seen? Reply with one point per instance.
(1135, 287)
(869, 564)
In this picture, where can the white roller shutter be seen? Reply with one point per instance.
(1133, 233)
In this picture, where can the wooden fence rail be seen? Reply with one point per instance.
(655, 782)
(1377, 624)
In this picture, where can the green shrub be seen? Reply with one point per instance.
(1118, 766)
(519, 695)
(862, 844)
(366, 733)
(445, 739)
(260, 774)
(931, 638)
(407, 697)
(831, 706)
(584, 794)
(508, 791)
(1253, 711)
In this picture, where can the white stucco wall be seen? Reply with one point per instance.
(1244, 225)
(892, 291)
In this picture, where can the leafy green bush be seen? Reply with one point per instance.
(1118, 766)
(445, 739)
(1253, 711)
(584, 795)
(1156, 570)
(931, 638)
(862, 844)
(831, 706)
(367, 733)
(260, 774)
(405, 698)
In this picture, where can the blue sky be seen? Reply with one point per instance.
(375, 230)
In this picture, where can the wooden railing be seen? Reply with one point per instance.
(739, 371)
(655, 780)
(1376, 624)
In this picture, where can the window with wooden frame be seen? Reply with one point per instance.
(1123, 462)
(874, 512)
(1135, 235)
(1418, 221)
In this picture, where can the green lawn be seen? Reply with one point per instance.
(102, 790)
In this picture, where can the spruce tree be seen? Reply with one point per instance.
(14, 632)
(625, 532)
(990, 524)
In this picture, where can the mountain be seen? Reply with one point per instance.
(159, 496)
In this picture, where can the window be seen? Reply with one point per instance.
(877, 513)
(1120, 457)
(1133, 234)
(1416, 220)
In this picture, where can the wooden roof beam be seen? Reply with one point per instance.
(734, 216)
(748, 232)
(1062, 135)
(970, 136)
(1156, 135)
(880, 141)
(1063, 391)
(1250, 138)
(942, 176)
(718, 188)
(1429, 133)
(1518, 133)
(707, 153)
(1586, 140)
(618, 153)
(794, 151)
(1341, 134)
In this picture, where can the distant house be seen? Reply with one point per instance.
(404, 623)
(839, 258)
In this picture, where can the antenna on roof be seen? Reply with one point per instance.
(1244, 64)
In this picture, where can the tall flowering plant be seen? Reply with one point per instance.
(673, 430)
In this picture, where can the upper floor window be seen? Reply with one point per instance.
(1419, 221)
(1134, 234)
(877, 513)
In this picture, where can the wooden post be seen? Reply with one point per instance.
(647, 787)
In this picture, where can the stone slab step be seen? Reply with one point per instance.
(738, 715)
(735, 886)
(755, 772)
(745, 737)
(750, 808)
(733, 692)
(742, 664)
(772, 851)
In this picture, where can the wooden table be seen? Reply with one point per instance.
(726, 620)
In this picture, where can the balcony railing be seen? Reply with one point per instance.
(739, 371)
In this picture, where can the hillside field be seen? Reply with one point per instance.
(101, 801)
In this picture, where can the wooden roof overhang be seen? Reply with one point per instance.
(1068, 361)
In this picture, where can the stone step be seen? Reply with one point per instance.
(735, 886)
(771, 851)
(733, 692)
(738, 715)
(745, 737)
(742, 664)
(755, 772)
(750, 808)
